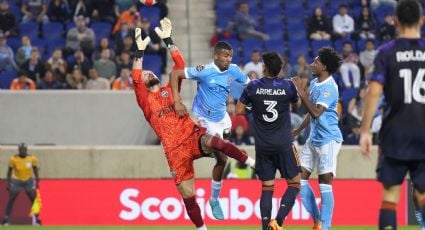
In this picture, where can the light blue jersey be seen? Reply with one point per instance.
(213, 89)
(325, 128)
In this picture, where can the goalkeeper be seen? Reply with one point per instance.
(183, 140)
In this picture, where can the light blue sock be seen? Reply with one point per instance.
(418, 215)
(309, 200)
(327, 205)
(215, 189)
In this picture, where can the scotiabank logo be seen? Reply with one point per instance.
(235, 207)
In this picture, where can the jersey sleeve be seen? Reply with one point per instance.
(197, 73)
(244, 98)
(240, 76)
(179, 63)
(379, 68)
(293, 94)
(141, 92)
(327, 95)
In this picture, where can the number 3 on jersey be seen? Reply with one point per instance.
(415, 90)
(270, 109)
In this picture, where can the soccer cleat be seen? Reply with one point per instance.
(273, 225)
(5, 222)
(317, 225)
(216, 209)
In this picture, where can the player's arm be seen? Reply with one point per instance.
(295, 100)
(314, 110)
(304, 124)
(9, 173)
(244, 100)
(137, 71)
(35, 170)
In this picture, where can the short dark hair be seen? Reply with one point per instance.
(222, 45)
(408, 12)
(330, 58)
(272, 62)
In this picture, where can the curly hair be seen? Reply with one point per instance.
(330, 58)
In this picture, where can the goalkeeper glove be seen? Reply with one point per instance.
(165, 32)
(141, 43)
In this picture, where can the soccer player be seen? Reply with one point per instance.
(22, 173)
(324, 143)
(399, 72)
(183, 141)
(209, 105)
(269, 99)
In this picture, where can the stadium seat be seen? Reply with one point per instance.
(250, 45)
(253, 4)
(271, 4)
(151, 13)
(339, 44)
(294, 4)
(29, 29)
(69, 25)
(347, 95)
(153, 63)
(272, 16)
(225, 3)
(224, 16)
(14, 43)
(317, 44)
(53, 31)
(275, 45)
(311, 5)
(276, 33)
(16, 11)
(6, 79)
(380, 13)
(102, 30)
(295, 33)
(40, 44)
(296, 48)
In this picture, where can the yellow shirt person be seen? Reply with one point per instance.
(22, 168)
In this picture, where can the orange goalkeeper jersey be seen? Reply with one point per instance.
(158, 108)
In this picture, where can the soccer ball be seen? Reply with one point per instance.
(148, 2)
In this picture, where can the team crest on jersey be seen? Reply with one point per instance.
(164, 93)
(326, 94)
(200, 67)
(28, 164)
(229, 79)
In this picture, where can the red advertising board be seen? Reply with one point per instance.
(156, 202)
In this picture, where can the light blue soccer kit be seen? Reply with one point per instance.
(213, 86)
(321, 149)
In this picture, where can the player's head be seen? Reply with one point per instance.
(327, 60)
(150, 78)
(272, 64)
(408, 13)
(22, 148)
(223, 54)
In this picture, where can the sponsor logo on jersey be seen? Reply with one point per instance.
(199, 68)
(164, 93)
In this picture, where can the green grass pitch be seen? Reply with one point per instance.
(188, 228)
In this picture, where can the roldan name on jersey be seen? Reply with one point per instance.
(410, 55)
(261, 91)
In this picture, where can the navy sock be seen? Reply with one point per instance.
(387, 216)
(287, 201)
(266, 205)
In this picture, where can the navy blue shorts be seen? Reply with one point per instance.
(392, 171)
(286, 161)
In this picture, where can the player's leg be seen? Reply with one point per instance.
(187, 191)
(418, 211)
(417, 175)
(29, 188)
(308, 160)
(328, 154)
(13, 194)
(288, 164)
(391, 174)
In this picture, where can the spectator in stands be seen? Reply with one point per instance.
(96, 82)
(126, 46)
(81, 37)
(103, 10)
(8, 24)
(376, 124)
(343, 24)
(103, 45)
(48, 81)
(34, 67)
(319, 27)
(76, 80)
(58, 66)
(80, 62)
(245, 24)
(365, 25)
(287, 70)
(387, 30)
(121, 6)
(238, 170)
(255, 64)
(237, 120)
(81, 8)
(124, 61)
(124, 82)
(22, 82)
(350, 65)
(105, 67)
(130, 17)
(356, 105)
(24, 52)
(58, 11)
(239, 136)
(34, 10)
(253, 75)
(124, 32)
(367, 56)
(7, 58)
(154, 47)
(302, 67)
(376, 3)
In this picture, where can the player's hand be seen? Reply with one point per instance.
(295, 132)
(365, 144)
(297, 82)
(165, 30)
(141, 43)
(180, 108)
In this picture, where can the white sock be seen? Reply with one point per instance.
(250, 162)
(202, 228)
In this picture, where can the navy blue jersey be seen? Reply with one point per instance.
(400, 67)
(270, 100)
